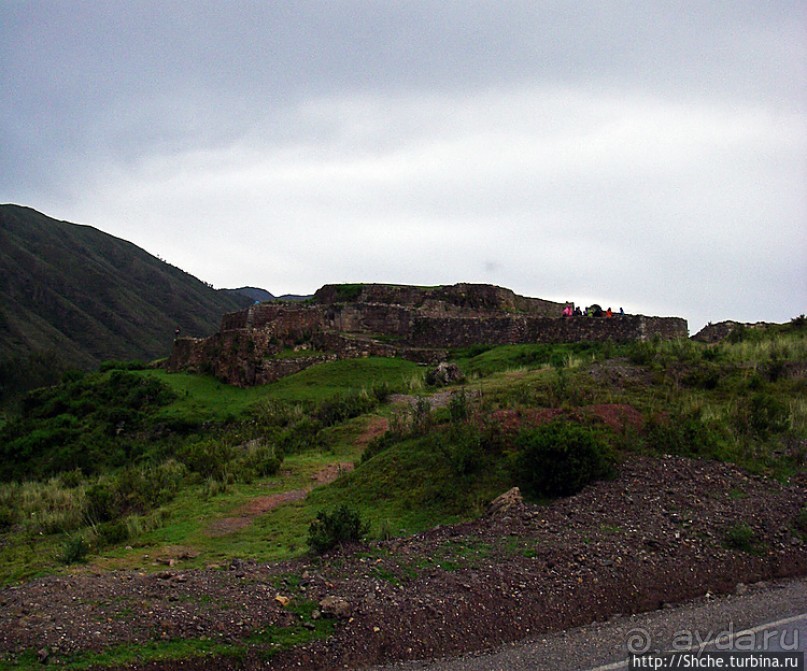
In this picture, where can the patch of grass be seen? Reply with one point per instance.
(202, 398)
(264, 643)
(742, 537)
(326, 380)
(801, 523)
(413, 484)
(385, 574)
(482, 361)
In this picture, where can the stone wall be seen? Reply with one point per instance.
(513, 329)
(456, 298)
(270, 340)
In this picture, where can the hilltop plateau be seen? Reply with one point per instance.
(268, 341)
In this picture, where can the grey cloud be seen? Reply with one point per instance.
(590, 150)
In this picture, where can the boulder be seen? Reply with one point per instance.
(445, 374)
(508, 502)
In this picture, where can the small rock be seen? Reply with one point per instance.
(335, 606)
(282, 600)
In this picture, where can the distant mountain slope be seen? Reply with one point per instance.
(253, 293)
(88, 296)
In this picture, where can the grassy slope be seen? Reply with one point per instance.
(412, 486)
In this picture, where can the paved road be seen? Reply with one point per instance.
(774, 615)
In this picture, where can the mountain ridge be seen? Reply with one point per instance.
(90, 296)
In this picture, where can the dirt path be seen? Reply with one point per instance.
(244, 516)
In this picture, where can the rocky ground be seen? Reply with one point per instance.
(656, 534)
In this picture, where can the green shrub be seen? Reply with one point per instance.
(343, 525)
(739, 334)
(113, 533)
(74, 550)
(378, 445)
(207, 457)
(706, 376)
(262, 460)
(381, 392)
(459, 407)
(741, 537)
(422, 418)
(801, 521)
(71, 479)
(767, 415)
(7, 517)
(684, 435)
(300, 436)
(559, 459)
(133, 490)
(341, 407)
(462, 447)
(101, 502)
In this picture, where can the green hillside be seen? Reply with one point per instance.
(132, 441)
(77, 296)
(127, 472)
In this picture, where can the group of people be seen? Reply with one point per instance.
(591, 311)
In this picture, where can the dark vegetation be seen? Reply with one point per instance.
(559, 459)
(330, 529)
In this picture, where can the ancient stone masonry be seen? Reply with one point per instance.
(271, 340)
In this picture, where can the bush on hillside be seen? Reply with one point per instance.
(74, 550)
(133, 490)
(92, 421)
(113, 364)
(684, 435)
(743, 538)
(559, 459)
(764, 414)
(344, 406)
(343, 525)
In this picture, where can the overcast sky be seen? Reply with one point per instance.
(649, 154)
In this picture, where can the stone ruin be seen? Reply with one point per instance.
(268, 341)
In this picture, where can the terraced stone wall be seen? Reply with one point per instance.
(270, 340)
